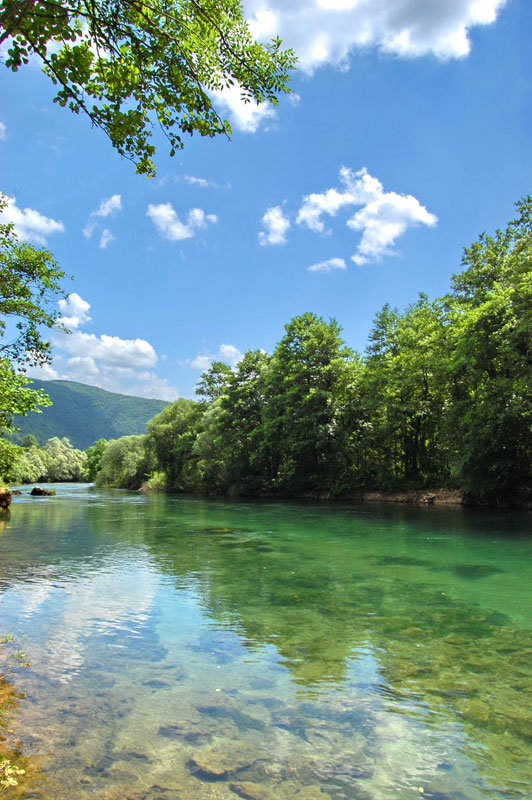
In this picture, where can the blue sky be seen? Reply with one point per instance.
(407, 135)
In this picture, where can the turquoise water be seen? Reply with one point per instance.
(191, 649)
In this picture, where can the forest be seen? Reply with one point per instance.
(440, 398)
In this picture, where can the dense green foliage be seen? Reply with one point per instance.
(29, 285)
(441, 397)
(124, 463)
(56, 461)
(85, 413)
(128, 64)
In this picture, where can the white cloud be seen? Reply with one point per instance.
(203, 183)
(328, 266)
(106, 238)
(328, 31)
(3, 132)
(45, 372)
(244, 116)
(314, 205)
(111, 350)
(227, 353)
(74, 311)
(276, 225)
(110, 362)
(202, 362)
(383, 220)
(109, 207)
(30, 225)
(169, 225)
(384, 216)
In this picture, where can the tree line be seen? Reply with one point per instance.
(441, 397)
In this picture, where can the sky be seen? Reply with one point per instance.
(406, 135)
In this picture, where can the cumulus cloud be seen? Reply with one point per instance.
(383, 221)
(276, 225)
(328, 266)
(74, 311)
(384, 216)
(167, 221)
(29, 225)
(243, 116)
(110, 362)
(227, 353)
(111, 350)
(3, 132)
(109, 207)
(326, 32)
(44, 372)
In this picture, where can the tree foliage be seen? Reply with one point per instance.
(29, 285)
(56, 461)
(127, 64)
(441, 396)
(124, 464)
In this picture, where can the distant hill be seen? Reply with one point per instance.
(85, 413)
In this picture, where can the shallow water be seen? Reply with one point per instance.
(194, 649)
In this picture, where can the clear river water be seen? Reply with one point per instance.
(184, 649)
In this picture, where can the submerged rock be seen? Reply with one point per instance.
(253, 791)
(219, 762)
(475, 570)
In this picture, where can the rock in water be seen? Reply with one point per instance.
(220, 762)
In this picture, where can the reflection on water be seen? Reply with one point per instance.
(193, 649)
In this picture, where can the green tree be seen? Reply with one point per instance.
(29, 285)
(29, 441)
(228, 446)
(404, 389)
(488, 422)
(64, 462)
(30, 466)
(304, 390)
(243, 407)
(125, 463)
(170, 440)
(214, 381)
(127, 64)
(8, 457)
(94, 455)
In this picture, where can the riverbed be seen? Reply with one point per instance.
(188, 649)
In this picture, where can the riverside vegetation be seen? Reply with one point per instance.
(441, 398)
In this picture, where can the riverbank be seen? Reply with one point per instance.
(521, 500)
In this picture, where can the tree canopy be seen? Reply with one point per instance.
(442, 397)
(29, 285)
(128, 64)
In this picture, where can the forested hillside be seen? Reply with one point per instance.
(85, 413)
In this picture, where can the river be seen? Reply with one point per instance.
(184, 649)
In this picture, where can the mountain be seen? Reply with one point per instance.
(85, 413)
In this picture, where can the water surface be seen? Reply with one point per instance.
(189, 649)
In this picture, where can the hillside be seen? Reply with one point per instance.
(85, 413)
